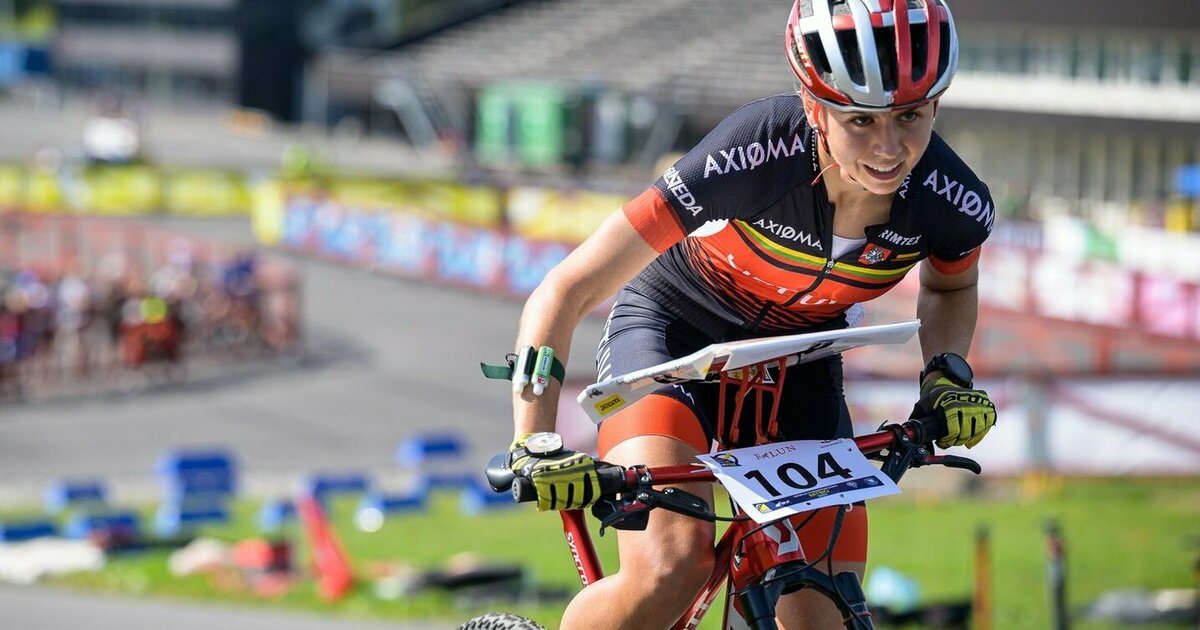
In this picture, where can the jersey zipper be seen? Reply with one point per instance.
(812, 287)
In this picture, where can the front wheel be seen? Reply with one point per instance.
(501, 621)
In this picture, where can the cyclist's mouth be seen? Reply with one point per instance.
(883, 173)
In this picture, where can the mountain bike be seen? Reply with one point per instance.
(759, 557)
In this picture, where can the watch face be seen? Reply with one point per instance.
(957, 369)
(543, 443)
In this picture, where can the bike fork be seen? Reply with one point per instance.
(758, 601)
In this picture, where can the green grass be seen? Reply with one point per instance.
(1119, 533)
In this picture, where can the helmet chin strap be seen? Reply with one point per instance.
(813, 110)
(832, 165)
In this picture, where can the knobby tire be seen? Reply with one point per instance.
(501, 621)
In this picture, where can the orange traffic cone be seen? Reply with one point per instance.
(330, 562)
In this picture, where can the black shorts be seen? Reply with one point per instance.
(641, 332)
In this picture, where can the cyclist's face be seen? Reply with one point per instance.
(877, 150)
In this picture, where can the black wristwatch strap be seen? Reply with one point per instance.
(953, 367)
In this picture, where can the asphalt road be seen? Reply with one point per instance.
(384, 358)
(50, 609)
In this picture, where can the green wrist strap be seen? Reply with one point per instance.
(505, 372)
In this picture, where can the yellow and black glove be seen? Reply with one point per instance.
(968, 413)
(564, 480)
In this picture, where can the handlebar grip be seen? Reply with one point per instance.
(611, 478)
(523, 490)
(928, 428)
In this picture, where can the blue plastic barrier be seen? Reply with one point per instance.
(190, 472)
(320, 485)
(375, 506)
(178, 517)
(449, 481)
(274, 514)
(420, 448)
(67, 493)
(124, 524)
(17, 531)
(393, 503)
(477, 497)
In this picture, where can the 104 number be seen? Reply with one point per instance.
(798, 477)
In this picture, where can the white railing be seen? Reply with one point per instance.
(1075, 97)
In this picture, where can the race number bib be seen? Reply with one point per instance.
(776, 480)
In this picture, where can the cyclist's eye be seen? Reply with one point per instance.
(909, 116)
(860, 121)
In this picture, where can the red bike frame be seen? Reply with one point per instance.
(763, 548)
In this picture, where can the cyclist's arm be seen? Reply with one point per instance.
(597, 269)
(947, 306)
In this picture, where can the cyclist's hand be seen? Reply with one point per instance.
(565, 480)
(968, 413)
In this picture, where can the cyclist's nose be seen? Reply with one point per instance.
(888, 140)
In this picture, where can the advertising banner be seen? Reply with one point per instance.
(120, 190)
(206, 193)
(1043, 310)
(561, 215)
(12, 185)
(473, 205)
(28, 190)
(418, 246)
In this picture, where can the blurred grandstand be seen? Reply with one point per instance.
(1078, 106)
(474, 141)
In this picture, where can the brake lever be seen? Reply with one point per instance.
(903, 455)
(899, 461)
(621, 513)
(678, 501)
(631, 510)
(952, 461)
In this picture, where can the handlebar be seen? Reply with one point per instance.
(611, 476)
(614, 479)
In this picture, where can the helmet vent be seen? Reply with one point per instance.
(848, 44)
(816, 53)
(920, 52)
(885, 43)
(944, 56)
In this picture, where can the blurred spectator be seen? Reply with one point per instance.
(88, 327)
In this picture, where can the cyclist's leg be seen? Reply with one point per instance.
(663, 567)
(814, 395)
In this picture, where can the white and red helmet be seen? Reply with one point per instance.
(872, 54)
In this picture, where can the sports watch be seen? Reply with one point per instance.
(953, 367)
(544, 444)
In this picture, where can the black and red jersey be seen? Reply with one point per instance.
(770, 267)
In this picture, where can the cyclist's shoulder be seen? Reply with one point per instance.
(779, 118)
(947, 189)
(785, 106)
(760, 140)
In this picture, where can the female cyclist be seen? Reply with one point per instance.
(823, 199)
